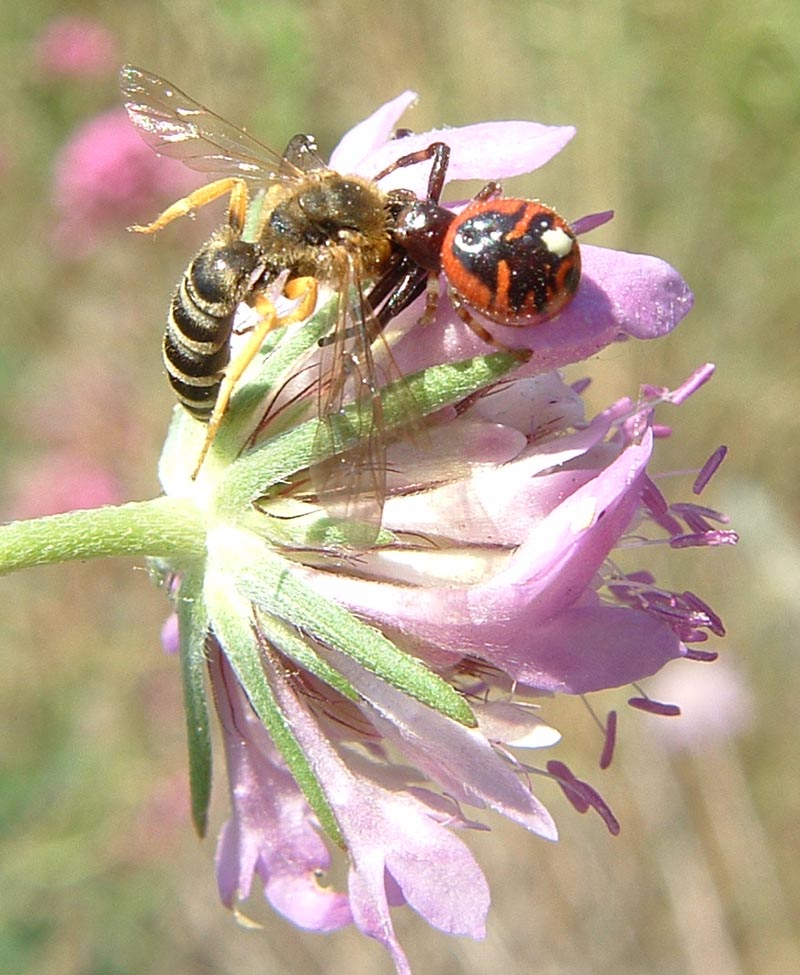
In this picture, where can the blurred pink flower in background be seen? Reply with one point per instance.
(158, 827)
(76, 47)
(716, 704)
(60, 481)
(106, 177)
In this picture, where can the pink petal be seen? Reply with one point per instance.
(591, 648)
(539, 406)
(649, 297)
(516, 725)
(499, 621)
(499, 505)
(460, 759)
(460, 908)
(440, 451)
(619, 294)
(485, 151)
(364, 139)
(381, 828)
(367, 890)
(271, 831)
(558, 560)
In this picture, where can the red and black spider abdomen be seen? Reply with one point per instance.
(515, 261)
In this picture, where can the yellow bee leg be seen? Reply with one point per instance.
(237, 207)
(233, 373)
(202, 196)
(303, 288)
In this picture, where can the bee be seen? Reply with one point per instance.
(197, 340)
(320, 226)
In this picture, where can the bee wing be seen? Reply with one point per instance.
(173, 124)
(348, 469)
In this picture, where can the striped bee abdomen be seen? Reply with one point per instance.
(198, 335)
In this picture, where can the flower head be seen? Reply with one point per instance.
(372, 699)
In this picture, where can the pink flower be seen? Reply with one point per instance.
(61, 481)
(76, 47)
(105, 177)
(717, 705)
(372, 699)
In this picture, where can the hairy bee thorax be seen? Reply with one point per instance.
(327, 211)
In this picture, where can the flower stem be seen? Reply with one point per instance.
(160, 527)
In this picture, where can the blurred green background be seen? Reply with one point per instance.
(688, 121)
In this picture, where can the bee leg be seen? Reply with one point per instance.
(205, 194)
(233, 373)
(237, 206)
(304, 289)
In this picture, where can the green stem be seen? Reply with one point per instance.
(161, 527)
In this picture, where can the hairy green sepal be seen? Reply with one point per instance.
(235, 627)
(193, 626)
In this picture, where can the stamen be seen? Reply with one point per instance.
(653, 498)
(609, 731)
(654, 707)
(711, 620)
(582, 796)
(697, 379)
(688, 508)
(611, 739)
(710, 538)
(658, 509)
(660, 394)
(570, 786)
(591, 221)
(692, 635)
(709, 469)
(702, 656)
